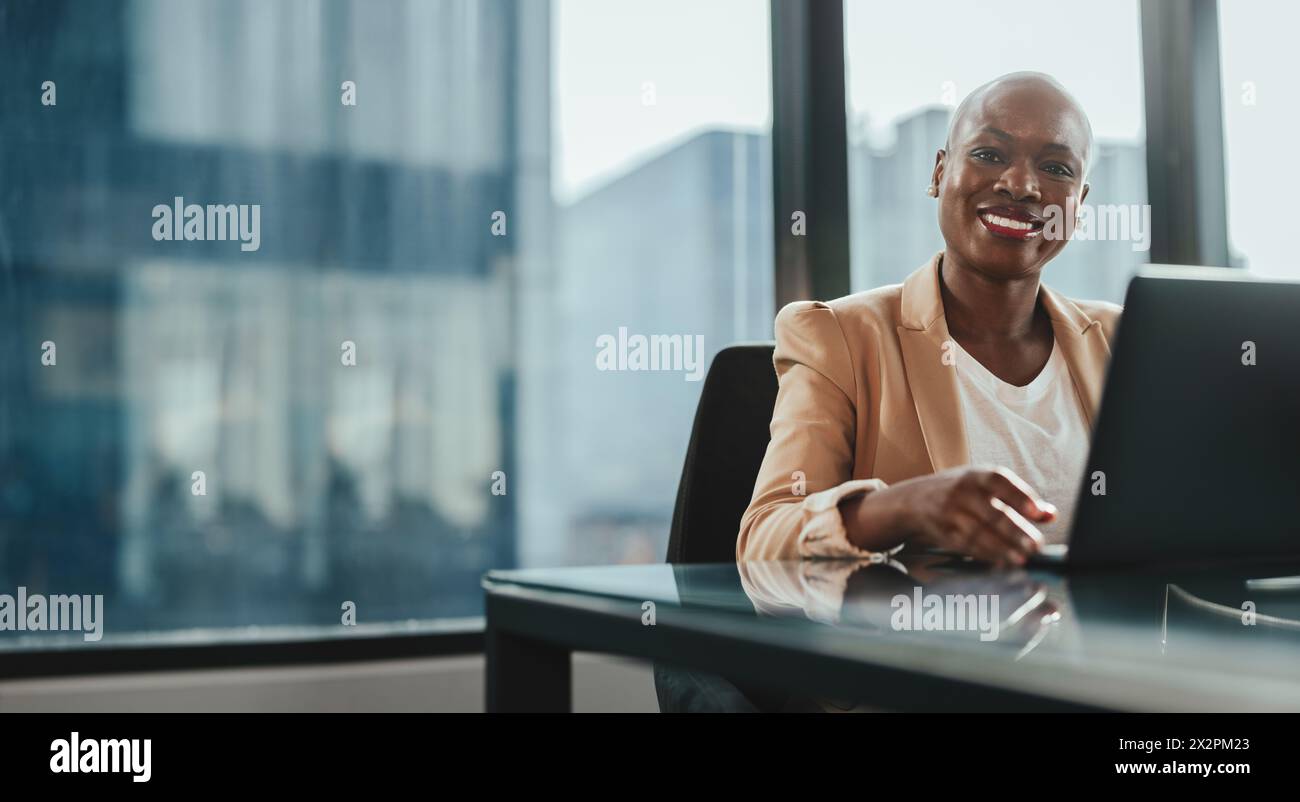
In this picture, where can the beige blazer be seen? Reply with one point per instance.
(866, 400)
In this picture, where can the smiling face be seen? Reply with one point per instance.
(1017, 153)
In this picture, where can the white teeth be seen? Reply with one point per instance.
(1006, 222)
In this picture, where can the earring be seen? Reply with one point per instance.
(932, 191)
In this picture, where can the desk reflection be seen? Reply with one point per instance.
(929, 594)
(1223, 624)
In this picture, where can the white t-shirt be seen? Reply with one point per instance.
(1038, 431)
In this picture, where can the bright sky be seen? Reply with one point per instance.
(1258, 51)
(635, 77)
(708, 62)
(902, 56)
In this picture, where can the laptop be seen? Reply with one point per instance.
(1195, 455)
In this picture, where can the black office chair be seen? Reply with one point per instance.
(727, 444)
(728, 440)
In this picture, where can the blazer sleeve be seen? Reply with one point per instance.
(808, 468)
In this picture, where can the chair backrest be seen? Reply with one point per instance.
(727, 444)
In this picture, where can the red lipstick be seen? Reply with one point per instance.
(1011, 222)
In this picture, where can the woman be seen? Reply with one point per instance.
(954, 410)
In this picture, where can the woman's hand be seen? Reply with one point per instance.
(987, 513)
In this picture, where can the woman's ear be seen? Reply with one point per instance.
(1078, 212)
(937, 175)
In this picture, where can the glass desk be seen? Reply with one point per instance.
(920, 633)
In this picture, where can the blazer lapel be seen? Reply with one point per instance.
(933, 383)
(1084, 346)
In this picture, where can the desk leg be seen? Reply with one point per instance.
(526, 675)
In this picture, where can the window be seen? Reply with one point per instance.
(662, 121)
(906, 74)
(367, 368)
(1259, 63)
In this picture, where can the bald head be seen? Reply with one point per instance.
(1035, 90)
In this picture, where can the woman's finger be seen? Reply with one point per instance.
(1002, 483)
(975, 537)
(1013, 525)
(993, 514)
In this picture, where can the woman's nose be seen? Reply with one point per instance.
(1019, 182)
